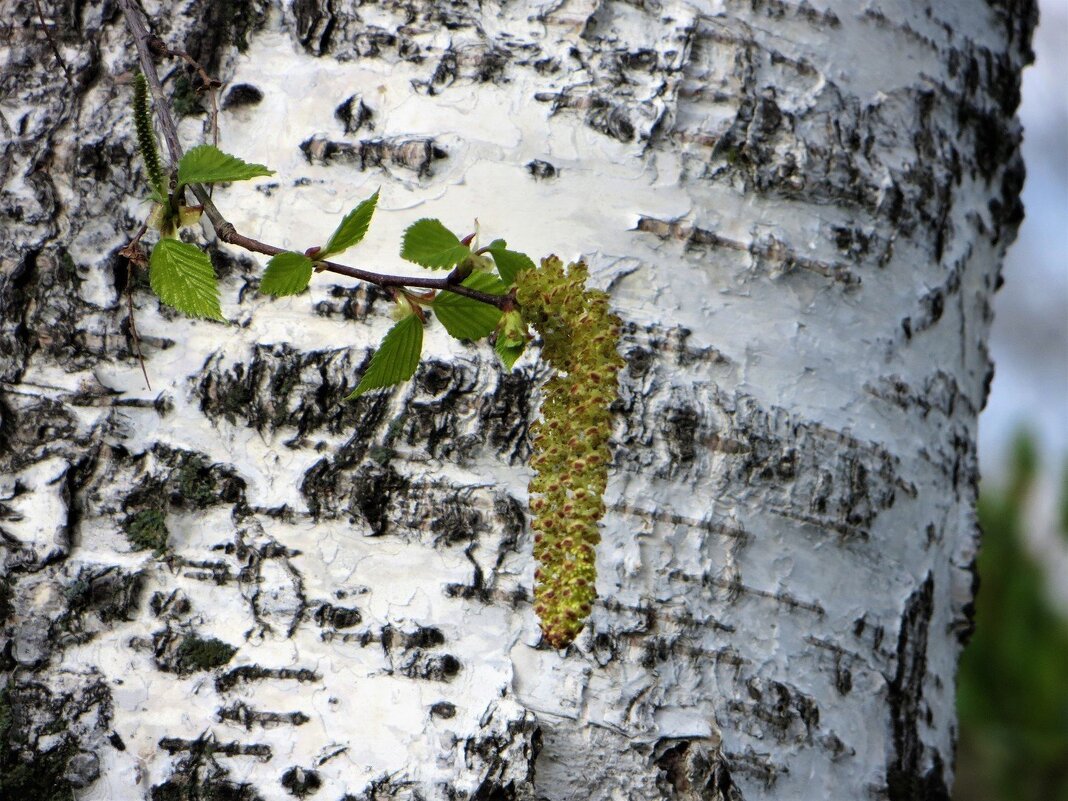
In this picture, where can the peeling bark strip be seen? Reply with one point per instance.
(235, 587)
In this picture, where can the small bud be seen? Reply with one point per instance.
(512, 329)
(403, 308)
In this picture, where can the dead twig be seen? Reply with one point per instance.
(134, 255)
(52, 42)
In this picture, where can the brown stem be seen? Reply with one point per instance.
(225, 230)
(139, 29)
(52, 42)
(209, 84)
(133, 255)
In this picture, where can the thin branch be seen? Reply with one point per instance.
(52, 41)
(209, 84)
(227, 233)
(134, 255)
(139, 28)
(225, 230)
(133, 324)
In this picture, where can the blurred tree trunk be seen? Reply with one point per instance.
(233, 585)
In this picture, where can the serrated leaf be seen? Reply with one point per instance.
(497, 243)
(207, 164)
(396, 358)
(352, 229)
(287, 274)
(467, 318)
(510, 263)
(509, 354)
(183, 277)
(429, 243)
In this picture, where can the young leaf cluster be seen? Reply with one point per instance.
(430, 244)
(179, 273)
(570, 442)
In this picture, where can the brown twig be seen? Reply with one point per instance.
(209, 84)
(225, 230)
(133, 255)
(227, 233)
(52, 41)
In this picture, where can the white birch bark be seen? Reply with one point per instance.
(800, 211)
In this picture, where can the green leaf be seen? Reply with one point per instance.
(509, 354)
(510, 263)
(352, 229)
(429, 243)
(183, 277)
(287, 274)
(207, 164)
(467, 318)
(396, 358)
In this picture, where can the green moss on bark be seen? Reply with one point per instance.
(147, 530)
(39, 778)
(197, 653)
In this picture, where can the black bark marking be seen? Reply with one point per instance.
(758, 766)
(373, 489)
(907, 777)
(352, 303)
(769, 255)
(824, 479)
(337, 617)
(240, 95)
(241, 713)
(301, 782)
(841, 660)
(541, 170)
(223, 25)
(477, 62)
(41, 758)
(174, 477)
(208, 744)
(939, 392)
(515, 744)
(247, 673)
(96, 597)
(443, 709)
(602, 115)
(280, 387)
(315, 24)
(354, 114)
(416, 154)
(198, 775)
(691, 770)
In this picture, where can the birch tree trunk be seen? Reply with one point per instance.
(800, 211)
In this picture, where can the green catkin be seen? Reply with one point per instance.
(570, 443)
(146, 138)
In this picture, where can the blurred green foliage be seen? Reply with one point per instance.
(1012, 692)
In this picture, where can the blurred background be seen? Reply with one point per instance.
(1013, 685)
